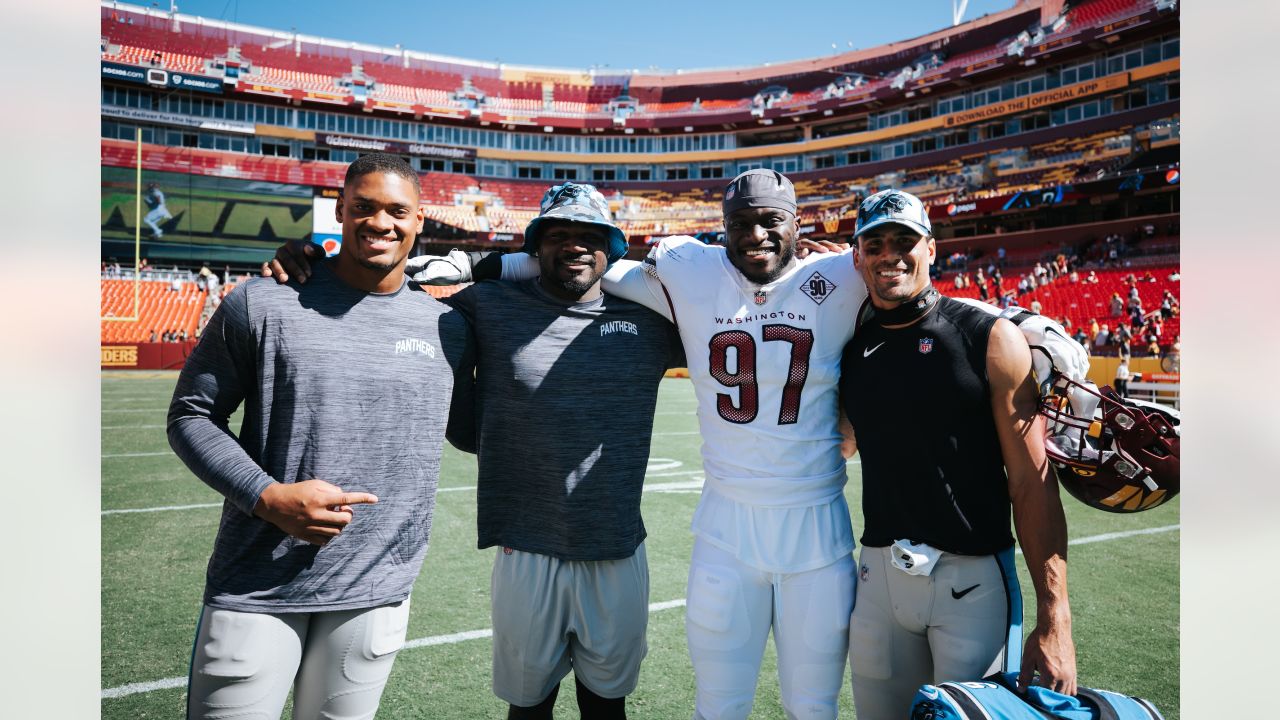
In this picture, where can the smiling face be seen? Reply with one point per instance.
(894, 261)
(381, 218)
(571, 257)
(761, 242)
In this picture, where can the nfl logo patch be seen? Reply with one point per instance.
(761, 296)
(926, 346)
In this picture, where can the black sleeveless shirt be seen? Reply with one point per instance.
(920, 404)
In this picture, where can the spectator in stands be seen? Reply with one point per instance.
(1036, 307)
(1024, 285)
(1117, 305)
(1103, 337)
(182, 337)
(1093, 327)
(1148, 277)
(980, 278)
(958, 281)
(1001, 254)
(1175, 276)
(1153, 348)
(1135, 316)
(1093, 278)
(1121, 338)
(1121, 383)
(153, 337)
(1168, 305)
(1040, 272)
(1073, 278)
(1081, 337)
(983, 293)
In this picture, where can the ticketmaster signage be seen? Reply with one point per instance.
(150, 116)
(348, 142)
(161, 77)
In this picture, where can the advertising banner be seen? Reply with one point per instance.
(150, 116)
(350, 142)
(163, 78)
(1031, 102)
(326, 231)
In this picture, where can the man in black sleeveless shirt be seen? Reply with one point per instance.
(943, 406)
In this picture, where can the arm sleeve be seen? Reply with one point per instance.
(519, 266)
(639, 283)
(213, 383)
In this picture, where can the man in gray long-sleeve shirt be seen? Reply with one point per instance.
(330, 490)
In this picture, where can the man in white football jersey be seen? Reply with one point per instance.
(763, 333)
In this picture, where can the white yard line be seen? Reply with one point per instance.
(659, 487)
(454, 638)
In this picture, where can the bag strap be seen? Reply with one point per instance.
(964, 702)
(1105, 710)
(1086, 696)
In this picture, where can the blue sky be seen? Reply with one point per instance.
(666, 34)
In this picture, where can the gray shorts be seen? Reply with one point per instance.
(551, 615)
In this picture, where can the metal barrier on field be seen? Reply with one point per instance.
(1162, 392)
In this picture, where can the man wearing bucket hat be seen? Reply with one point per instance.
(570, 586)
(938, 597)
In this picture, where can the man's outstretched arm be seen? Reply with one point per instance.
(1038, 517)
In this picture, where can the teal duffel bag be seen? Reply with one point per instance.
(998, 698)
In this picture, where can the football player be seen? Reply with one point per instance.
(944, 406)
(329, 492)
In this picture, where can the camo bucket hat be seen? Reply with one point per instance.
(576, 203)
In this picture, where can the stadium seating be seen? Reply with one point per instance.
(285, 59)
(161, 309)
(1080, 303)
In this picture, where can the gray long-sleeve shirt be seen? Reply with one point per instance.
(565, 399)
(338, 384)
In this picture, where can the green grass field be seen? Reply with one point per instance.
(1123, 582)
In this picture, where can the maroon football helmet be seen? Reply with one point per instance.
(1111, 453)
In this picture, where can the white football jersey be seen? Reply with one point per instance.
(765, 364)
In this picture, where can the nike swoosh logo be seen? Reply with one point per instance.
(868, 351)
(962, 593)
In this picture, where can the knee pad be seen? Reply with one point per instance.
(383, 636)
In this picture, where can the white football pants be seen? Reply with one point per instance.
(731, 608)
(337, 663)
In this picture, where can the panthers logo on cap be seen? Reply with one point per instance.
(890, 203)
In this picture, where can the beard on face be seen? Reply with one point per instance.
(579, 285)
(786, 253)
